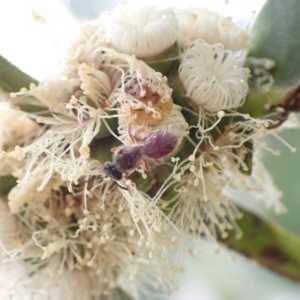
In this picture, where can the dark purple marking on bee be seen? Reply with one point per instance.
(128, 158)
(156, 146)
(159, 144)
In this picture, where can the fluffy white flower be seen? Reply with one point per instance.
(206, 179)
(258, 185)
(214, 78)
(70, 223)
(144, 31)
(15, 128)
(104, 238)
(200, 207)
(65, 145)
(52, 93)
(142, 98)
(195, 23)
(17, 283)
(140, 116)
(10, 239)
(78, 98)
(91, 37)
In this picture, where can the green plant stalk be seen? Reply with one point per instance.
(269, 244)
(124, 295)
(278, 40)
(165, 62)
(6, 184)
(275, 35)
(11, 78)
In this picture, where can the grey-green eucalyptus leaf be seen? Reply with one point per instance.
(275, 35)
(12, 78)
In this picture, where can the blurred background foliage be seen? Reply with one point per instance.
(208, 276)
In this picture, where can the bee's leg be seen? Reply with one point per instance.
(114, 149)
(158, 161)
(130, 132)
(146, 165)
(135, 137)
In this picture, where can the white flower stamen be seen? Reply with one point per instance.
(144, 31)
(213, 77)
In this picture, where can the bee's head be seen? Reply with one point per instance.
(112, 171)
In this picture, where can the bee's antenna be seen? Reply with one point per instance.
(122, 187)
(115, 182)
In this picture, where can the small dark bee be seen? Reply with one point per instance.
(156, 146)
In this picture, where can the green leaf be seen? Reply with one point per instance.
(118, 294)
(164, 63)
(143, 184)
(112, 123)
(160, 174)
(275, 35)
(124, 295)
(11, 78)
(101, 148)
(256, 102)
(179, 98)
(6, 184)
(267, 243)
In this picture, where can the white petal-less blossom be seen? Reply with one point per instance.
(206, 191)
(10, 239)
(91, 35)
(142, 30)
(78, 100)
(103, 242)
(146, 107)
(200, 23)
(213, 77)
(53, 92)
(85, 224)
(17, 284)
(73, 228)
(201, 198)
(259, 185)
(14, 127)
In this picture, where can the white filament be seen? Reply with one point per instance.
(143, 31)
(213, 77)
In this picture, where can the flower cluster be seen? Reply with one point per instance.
(118, 163)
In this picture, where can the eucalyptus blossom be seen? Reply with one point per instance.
(117, 169)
